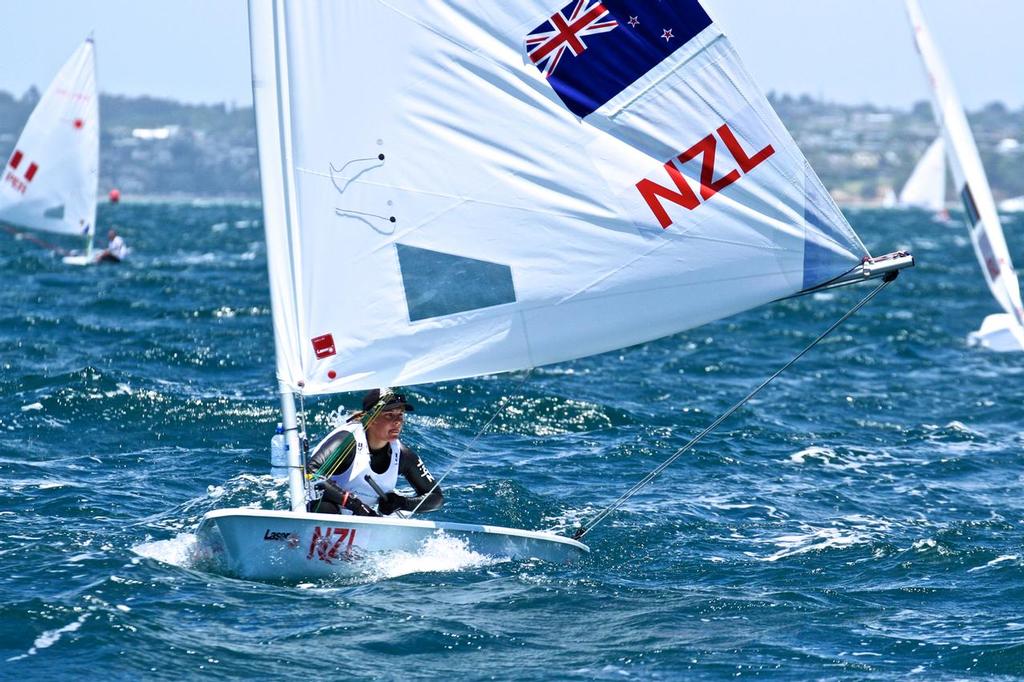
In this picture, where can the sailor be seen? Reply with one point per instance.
(116, 249)
(361, 463)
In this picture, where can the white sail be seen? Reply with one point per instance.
(50, 180)
(486, 191)
(1013, 205)
(447, 193)
(926, 186)
(968, 174)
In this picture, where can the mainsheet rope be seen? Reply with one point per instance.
(458, 458)
(603, 514)
(35, 240)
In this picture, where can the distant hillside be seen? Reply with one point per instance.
(160, 147)
(860, 151)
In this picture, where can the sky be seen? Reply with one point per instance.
(847, 51)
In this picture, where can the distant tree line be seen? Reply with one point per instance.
(160, 147)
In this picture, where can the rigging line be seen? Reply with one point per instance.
(35, 240)
(303, 436)
(303, 439)
(587, 527)
(500, 408)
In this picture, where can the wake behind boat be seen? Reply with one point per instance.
(486, 199)
(50, 180)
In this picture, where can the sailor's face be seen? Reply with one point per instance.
(387, 425)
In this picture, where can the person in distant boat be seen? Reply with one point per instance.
(116, 249)
(360, 465)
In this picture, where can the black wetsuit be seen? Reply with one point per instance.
(409, 465)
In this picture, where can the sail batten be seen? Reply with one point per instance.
(451, 208)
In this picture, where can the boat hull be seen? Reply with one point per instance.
(282, 545)
(999, 332)
(78, 260)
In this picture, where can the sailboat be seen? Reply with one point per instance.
(1000, 331)
(503, 186)
(51, 177)
(926, 186)
(1012, 205)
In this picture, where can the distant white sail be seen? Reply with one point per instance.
(50, 180)
(970, 181)
(1014, 205)
(492, 192)
(926, 186)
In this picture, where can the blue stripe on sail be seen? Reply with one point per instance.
(821, 263)
(828, 252)
(591, 50)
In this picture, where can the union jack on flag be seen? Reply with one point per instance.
(549, 41)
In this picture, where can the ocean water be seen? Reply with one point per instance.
(862, 518)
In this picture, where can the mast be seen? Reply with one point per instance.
(95, 184)
(270, 98)
(296, 472)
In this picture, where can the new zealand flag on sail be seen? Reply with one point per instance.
(591, 50)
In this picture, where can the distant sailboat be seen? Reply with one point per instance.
(1002, 331)
(1014, 205)
(51, 177)
(926, 186)
(484, 196)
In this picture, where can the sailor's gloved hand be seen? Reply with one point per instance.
(390, 503)
(358, 507)
(331, 492)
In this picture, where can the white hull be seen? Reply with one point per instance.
(284, 545)
(999, 332)
(78, 260)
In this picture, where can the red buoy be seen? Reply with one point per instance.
(115, 195)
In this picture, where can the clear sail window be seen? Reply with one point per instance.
(439, 284)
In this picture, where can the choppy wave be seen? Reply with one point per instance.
(861, 518)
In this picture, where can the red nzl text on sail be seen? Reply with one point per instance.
(683, 194)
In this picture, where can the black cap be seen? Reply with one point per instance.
(391, 401)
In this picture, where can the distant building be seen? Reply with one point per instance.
(865, 160)
(155, 133)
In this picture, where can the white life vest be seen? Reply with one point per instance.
(353, 479)
(117, 248)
